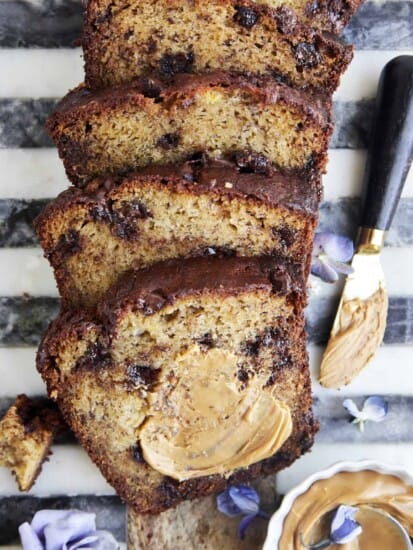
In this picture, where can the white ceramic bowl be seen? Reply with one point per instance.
(276, 523)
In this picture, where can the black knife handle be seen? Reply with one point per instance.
(391, 147)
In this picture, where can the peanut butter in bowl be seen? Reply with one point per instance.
(381, 496)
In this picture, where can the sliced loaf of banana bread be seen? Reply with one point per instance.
(191, 375)
(93, 235)
(123, 40)
(148, 122)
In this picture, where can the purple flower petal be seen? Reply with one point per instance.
(320, 268)
(238, 499)
(245, 498)
(75, 526)
(339, 267)
(226, 505)
(344, 528)
(44, 517)
(351, 407)
(65, 530)
(86, 542)
(375, 408)
(337, 247)
(29, 538)
(244, 523)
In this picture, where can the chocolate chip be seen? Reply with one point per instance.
(278, 280)
(252, 348)
(311, 163)
(219, 251)
(171, 64)
(243, 375)
(252, 162)
(152, 46)
(271, 380)
(246, 16)
(312, 8)
(199, 158)
(207, 341)
(306, 55)
(136, 452)
(286, 20)
(153, 301)
(67, 245)
(169, 491)
(125, 219)
(269, 337)
(169, 141)
(122, 220)
(282, 362)
(150, 88)
(103, 17)
(101, 213)
(96, 357)
(285, 235)
(142, 375)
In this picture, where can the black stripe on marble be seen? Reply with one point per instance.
(320, 315)
(57, 23)
(341, 216)
(22, 123)
(44, 23)
(23, 320)
(382, 26)
(15, 510)
(16, 222)
(336, 423)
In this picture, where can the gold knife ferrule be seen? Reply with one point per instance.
(370, 240)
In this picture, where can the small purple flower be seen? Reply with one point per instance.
(375, 409)
(241, 500)
(331, 255)
(64, 530)
(344, 529)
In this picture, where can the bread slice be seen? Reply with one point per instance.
(149, 122)
(93, 235)
(193, 374)
(123, 40)
(26, 435)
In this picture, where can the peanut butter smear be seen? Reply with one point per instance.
(311, 512)
(354, 342)
(206, 425)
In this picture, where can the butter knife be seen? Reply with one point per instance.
(360, 322)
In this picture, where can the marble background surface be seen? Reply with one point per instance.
(38, 63)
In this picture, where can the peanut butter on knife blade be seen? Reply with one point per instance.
(351, 347)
